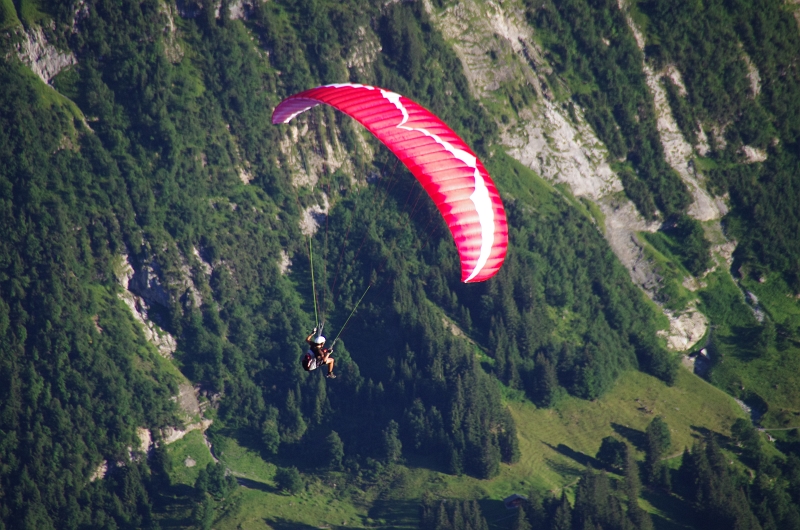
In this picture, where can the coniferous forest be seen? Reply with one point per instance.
(158, 276)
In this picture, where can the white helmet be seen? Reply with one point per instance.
(320, 340)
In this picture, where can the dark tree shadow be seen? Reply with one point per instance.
(636, 438)
(703, 433)
(581, 458)
(681, 513)
(255, 485)
(494, 510)
(284, 524)
(746, 339)
(563, 469)
(397, 514)
(172, 506)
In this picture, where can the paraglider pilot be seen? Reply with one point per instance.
(320, 354)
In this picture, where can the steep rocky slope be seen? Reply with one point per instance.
(551, 136)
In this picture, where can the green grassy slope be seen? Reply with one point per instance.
(556, 446)
(8, 15)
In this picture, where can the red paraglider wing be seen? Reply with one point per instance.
(445, 166)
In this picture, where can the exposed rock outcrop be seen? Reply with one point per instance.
(677, 151)
(162, 340)
(285, 263)
(145, 439)
(311, 156)
(147, 284)
(171, 434)
(753, 154)
(623, 223)
(686, 328)
(313, 216)
(100, 472)
(172, 46)
(43, 58)
(362, 54)
(752, 75)
(187, 400)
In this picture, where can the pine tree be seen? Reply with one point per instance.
(657, 441)
(562, 517)
(613, 453)
(335, 450)
(521, 521)
(545, 382)
(270, 436)
(392, 447)
(638, 517)
(507, 440)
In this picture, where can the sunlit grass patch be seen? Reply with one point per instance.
(556, 443)
(243, 461)
(8, 15)
(191, 450)
(672, 293)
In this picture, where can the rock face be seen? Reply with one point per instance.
(187, 400)
(562, 151)
(363, 53)
(146, 283)
(285, 263)
(171, 434)
(623, 223)
(686, 329)
(677, 151)
(162, 340)
(43, 58)
(310, 157)
(753, 154)
(99, 472)
(313, 216)
(172, 47)
(145, 439)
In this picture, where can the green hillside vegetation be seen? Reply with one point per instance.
(755, 360)
(556, 445)
(758, 363)
(552, 354)
(8, 15)
(671, 293)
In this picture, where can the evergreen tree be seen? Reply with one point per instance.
(392, 447)
(613, 453)
(748, 438)
(657, 439)
(521, 521)
(335, 450)
(288, 479)
(562, 515)
(270, 435)
(451, 515)
(203, 513)
(545, 382)
(639, 518)
(215, 480)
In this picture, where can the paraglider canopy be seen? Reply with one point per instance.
(448, 170)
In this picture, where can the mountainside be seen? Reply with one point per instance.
(166, 251)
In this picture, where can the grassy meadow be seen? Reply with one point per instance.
(556, 445)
